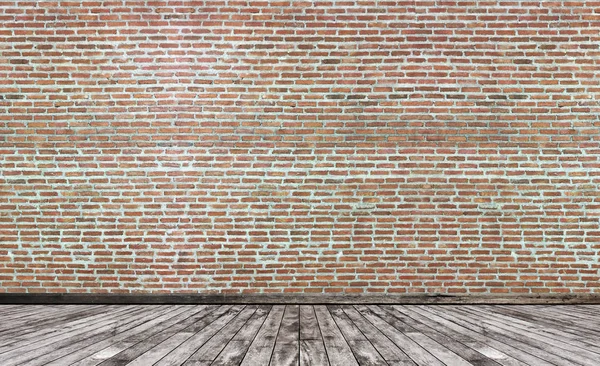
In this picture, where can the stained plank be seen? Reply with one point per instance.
(402, 335)
(199, 332)
(445, 318)
(434, 348)
(209, 351)
(472, 340)
(312, 353)
(234, 351)
(261, 349)
(388, 350)
(363, 350)
(287, 347)
(74, 346)
(560, 335)
(312, 348)
(107, 348)
(338, 350)
(550, 319)
(543, 347)
(421, 330)
(309, 328)
(152, 339)
(39, 326)
(62, 339)
(395, 332)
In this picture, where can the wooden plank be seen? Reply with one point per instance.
(32, 311)
(396, 334)
(25, 313)
(136, 343)
(312, 353)
(209, 324)
(462, 335)
(548, 317)
(160, 350)
(309, 328)
(158, 320)
(508, 335)
(478, 335)
(484, 336)
(582, 312)
(312, 348)
(53, 330)
(17, 355)
(554, 330)
(211, 349)
(363, 350)
(94, 336)
(287, 344)
(338, 350)
(8, 308)
(24, 342)
(234, 351)
(436, 349)
(590, 309)
(544, 344)
(388, 350)
(261, 348)
(32, 326)
(554, 314)
(466, 354)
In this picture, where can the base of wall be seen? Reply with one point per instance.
(18, 298)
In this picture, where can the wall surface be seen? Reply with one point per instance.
(300, 146)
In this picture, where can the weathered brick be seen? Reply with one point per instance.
(304, 147)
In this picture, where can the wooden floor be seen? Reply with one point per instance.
(535, 335)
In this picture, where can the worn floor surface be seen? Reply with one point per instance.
(535, 335)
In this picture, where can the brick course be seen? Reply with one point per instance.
(300, 146)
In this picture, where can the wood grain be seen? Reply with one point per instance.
(306, 335)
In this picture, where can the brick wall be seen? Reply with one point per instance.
(300, 146)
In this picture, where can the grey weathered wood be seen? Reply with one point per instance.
(261, 349)
(545, 346)
(312, 353)
(396, 335)
(309, 328)
(25, 354)
(463, 335)
(135, 344)
(388, 350)
(447, 319)
(466, 353)
(31, 313)
(60, 354)
(338, 350)
(548, 317)
(157, 352)
(438, 350)
(53, 330)
(200, 331)
(287, 346)
(234, 351)
(33, 327)
(138, 343)
(561, 334)
(363, 350)
(312, 348)
(209, 351)
(482, 335)
(158, 320)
